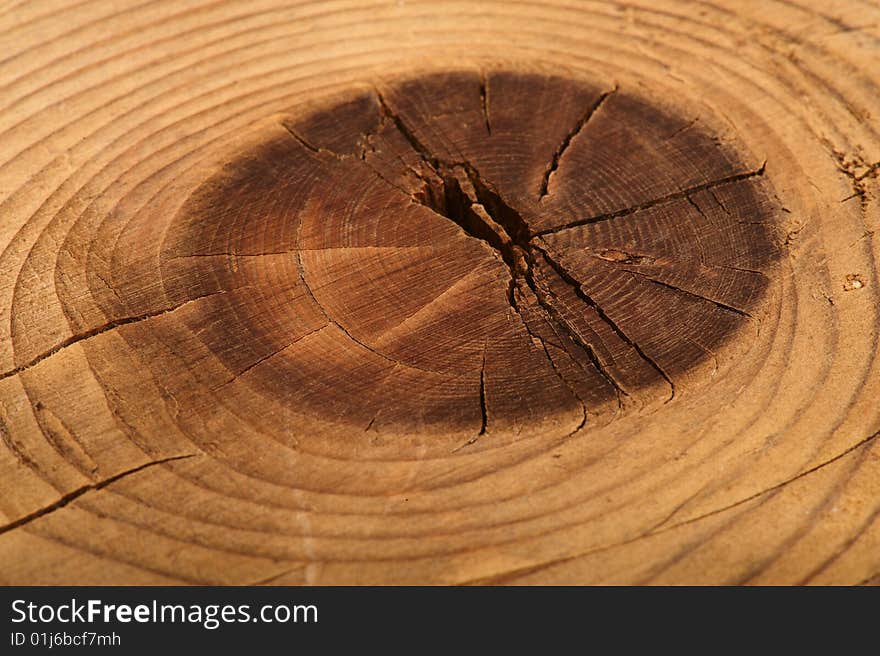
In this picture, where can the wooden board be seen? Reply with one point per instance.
(439, 292)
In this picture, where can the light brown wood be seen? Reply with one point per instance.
(436, 292)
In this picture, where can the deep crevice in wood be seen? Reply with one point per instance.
(566, 275)
(505, 230)
(330, 464)
(560, 151)
(556, 295)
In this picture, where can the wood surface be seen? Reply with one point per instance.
(439, 292)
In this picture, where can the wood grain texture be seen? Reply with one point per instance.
(439, 292)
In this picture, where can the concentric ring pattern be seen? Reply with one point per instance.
(297, 293)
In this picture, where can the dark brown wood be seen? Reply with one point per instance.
(439, 292)
(477, 252)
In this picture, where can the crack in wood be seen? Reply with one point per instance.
(565, 382)
(484, 410)
(677, 195)
(566, 142)
(652, 532)
(567, 277)
(504, 230)
(484, 101)
(700, 297)
(80, 491)
(275, 352)
(571, 333)
(420, 156)
(303, 141)
(100, 330)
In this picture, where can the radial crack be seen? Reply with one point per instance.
(566, 142)
(718, 200)
(270, 355)
(367, 147)
(660, 529)
(677, 195)
(404, 130)
(566, 276)
(568, 385)
(484, 100)
(684, 128)
(369, 348)
(481, 212)
(484, 413)
(78, 492)
(666, 285)
(574, 336)
(274, 577)
(99, 330)
(302, 140)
